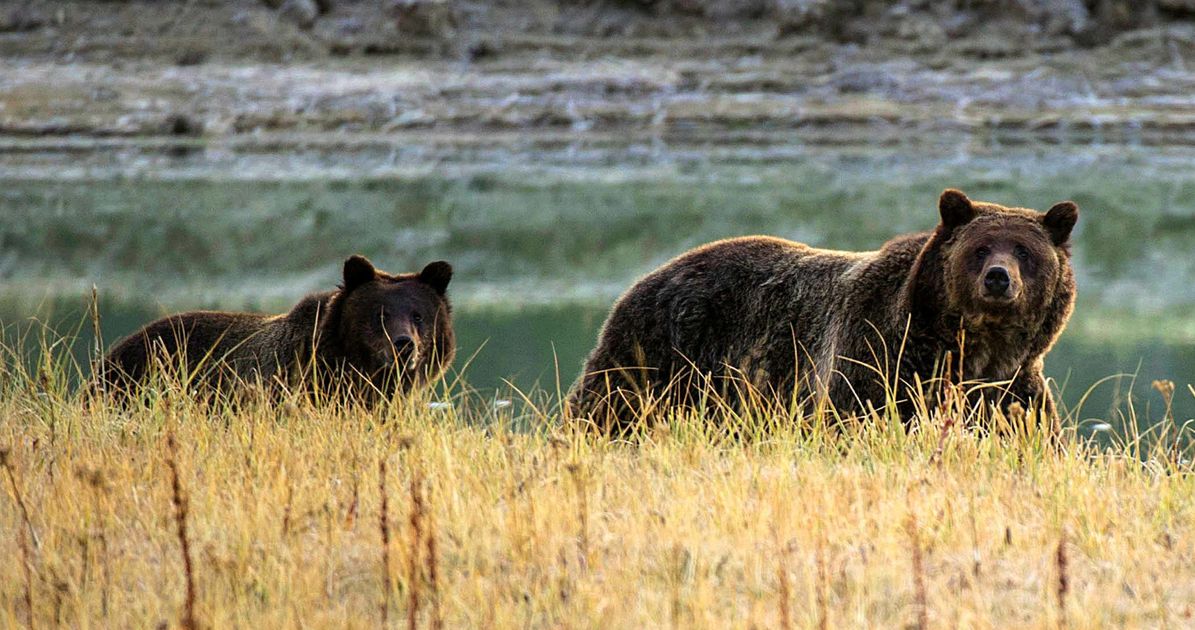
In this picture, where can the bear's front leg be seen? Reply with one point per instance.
(1029, 390)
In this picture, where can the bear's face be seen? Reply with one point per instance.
(1001, 265)
(394, 324)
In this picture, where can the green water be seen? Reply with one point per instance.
(544, 238)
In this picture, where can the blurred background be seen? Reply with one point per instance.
(230, 154)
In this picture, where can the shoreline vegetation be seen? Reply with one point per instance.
(449, 510)
(577, 228)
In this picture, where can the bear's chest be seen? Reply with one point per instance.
(993, 354)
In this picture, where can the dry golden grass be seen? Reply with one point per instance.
(279, 509)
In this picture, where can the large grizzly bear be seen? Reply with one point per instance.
(765, 316)
(377, 334)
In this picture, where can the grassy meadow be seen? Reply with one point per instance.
(498, 514)
(449, 510)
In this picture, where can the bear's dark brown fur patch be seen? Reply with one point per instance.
(795, 324)
(376, 334)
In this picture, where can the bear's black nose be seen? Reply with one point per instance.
(996, 281)
(404, 344)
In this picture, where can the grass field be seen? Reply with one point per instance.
(473, 514)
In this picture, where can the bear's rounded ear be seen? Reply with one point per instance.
(437, 275)
(955, 208)
(357, 271)
(1060, 220)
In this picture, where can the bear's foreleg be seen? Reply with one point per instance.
(1029, 389)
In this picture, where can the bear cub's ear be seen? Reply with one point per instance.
(1060, 220)
(955, 208)
(437, 275)
(357, 271)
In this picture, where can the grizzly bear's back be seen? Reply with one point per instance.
(209, 346)
(756, 311)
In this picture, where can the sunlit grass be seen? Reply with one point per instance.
(499, 516)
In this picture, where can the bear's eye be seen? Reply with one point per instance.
(417, 318)
(1022, 253)
(982, 253)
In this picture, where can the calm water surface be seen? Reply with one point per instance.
(544, 238)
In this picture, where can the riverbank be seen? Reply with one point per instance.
(240, 69)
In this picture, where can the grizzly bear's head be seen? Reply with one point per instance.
(1004, 266)
(395, 329)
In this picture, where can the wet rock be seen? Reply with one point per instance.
(1108, 19)
(425, 18)
(799, 16)
(1072, 18)
(301, 12)
(995, 40)
(863, 80)
(104, 94)
(841, 22)
(673, 7)
(1177, 6)
(182, 125)
(749, 9)
(348, 26)
(191, 57)
(1056, 17)
(483, 48)
(20, 20)
(924, 32)
(241, 18)
(412, 118)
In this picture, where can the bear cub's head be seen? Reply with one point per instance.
(1004, 265)
(396, 324)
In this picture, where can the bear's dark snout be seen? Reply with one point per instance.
(996, 282)
(404, 346)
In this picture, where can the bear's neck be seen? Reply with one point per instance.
(922, 296)
(993, 353)
(310, 319)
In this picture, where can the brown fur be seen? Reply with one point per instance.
(376, 334)
(796, 324)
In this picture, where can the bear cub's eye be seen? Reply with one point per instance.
(982, 253)
(417, 318)
(1022, 253)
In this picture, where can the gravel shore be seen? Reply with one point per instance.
(242, 70)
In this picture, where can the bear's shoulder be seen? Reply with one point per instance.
(310, 309)
(899, 253)
(906, 243)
